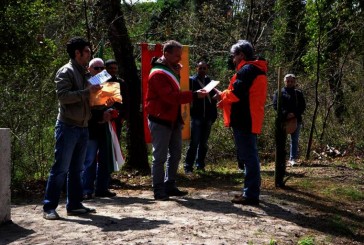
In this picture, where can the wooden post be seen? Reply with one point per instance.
(5, 175)
(280, 137)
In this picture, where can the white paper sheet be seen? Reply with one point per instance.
(100, 78)
(211, 85)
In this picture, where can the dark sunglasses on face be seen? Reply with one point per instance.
(96, 68)
(202, 68)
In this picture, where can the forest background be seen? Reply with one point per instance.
(320, 41)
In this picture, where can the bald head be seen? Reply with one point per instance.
(96, 66)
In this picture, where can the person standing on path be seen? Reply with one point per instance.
(96, 175)
(293, 106)
(243, 107)
(71, 132)
(163, 106)
(203, 114)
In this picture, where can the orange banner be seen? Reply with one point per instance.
(148, 52)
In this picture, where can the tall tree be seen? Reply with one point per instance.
(288, 35)
(137, 157)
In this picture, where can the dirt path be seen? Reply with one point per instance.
(205, 216)
(133, 217)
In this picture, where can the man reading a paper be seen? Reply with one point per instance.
(96, 175)
(203, 114)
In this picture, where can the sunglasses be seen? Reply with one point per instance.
(202, 68)
(96, 68)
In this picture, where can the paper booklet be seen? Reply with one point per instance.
(211, 85)
(100, 78)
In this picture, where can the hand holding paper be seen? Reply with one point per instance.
(94, 88)
(201, 93)
(108, 90)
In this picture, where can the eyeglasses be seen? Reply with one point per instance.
(96, 68)
(202, 68)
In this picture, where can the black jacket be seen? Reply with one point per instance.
(292, 102)
(202, 108)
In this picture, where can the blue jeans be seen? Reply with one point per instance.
(69, 154)
(167, 149)
(95, 169)
(293, 149)
(200, 132)
(247, 150)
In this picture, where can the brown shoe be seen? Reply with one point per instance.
(240, 199)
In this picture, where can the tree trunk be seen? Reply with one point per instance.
(310, 139)
(137, 157)
(280, 137)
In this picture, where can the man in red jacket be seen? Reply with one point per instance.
(243, 107)
(163, 105)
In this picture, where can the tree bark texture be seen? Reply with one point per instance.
(137, 157)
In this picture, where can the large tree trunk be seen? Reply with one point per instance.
(137, 157)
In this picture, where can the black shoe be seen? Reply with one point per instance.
(240, 199)
(87, 196)
(80, 211)
(105, 194)
(161, 197)
(176, 192)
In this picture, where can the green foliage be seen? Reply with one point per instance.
(288, 36)
(27, 100)
(306, 241)
(345, 193)
(273, 242)
(286, 32)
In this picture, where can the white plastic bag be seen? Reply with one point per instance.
(118, 159)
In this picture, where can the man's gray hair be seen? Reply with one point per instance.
(289, 75)
(245, 47)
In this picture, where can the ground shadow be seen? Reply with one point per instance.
(11, 232)
(107, 223)
(119, 201)
(216, 206)
(314, 212)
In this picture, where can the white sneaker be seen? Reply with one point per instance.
(292, 163)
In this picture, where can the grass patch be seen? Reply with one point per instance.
(354, 164)
(340, 226)
(348, 193)
(306, 241)
(306, 184)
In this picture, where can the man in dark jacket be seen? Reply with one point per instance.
(203, 114)
(243, 107)
(123, 109)
(293, 106)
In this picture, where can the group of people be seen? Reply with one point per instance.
(80, 136)
(242, 103)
